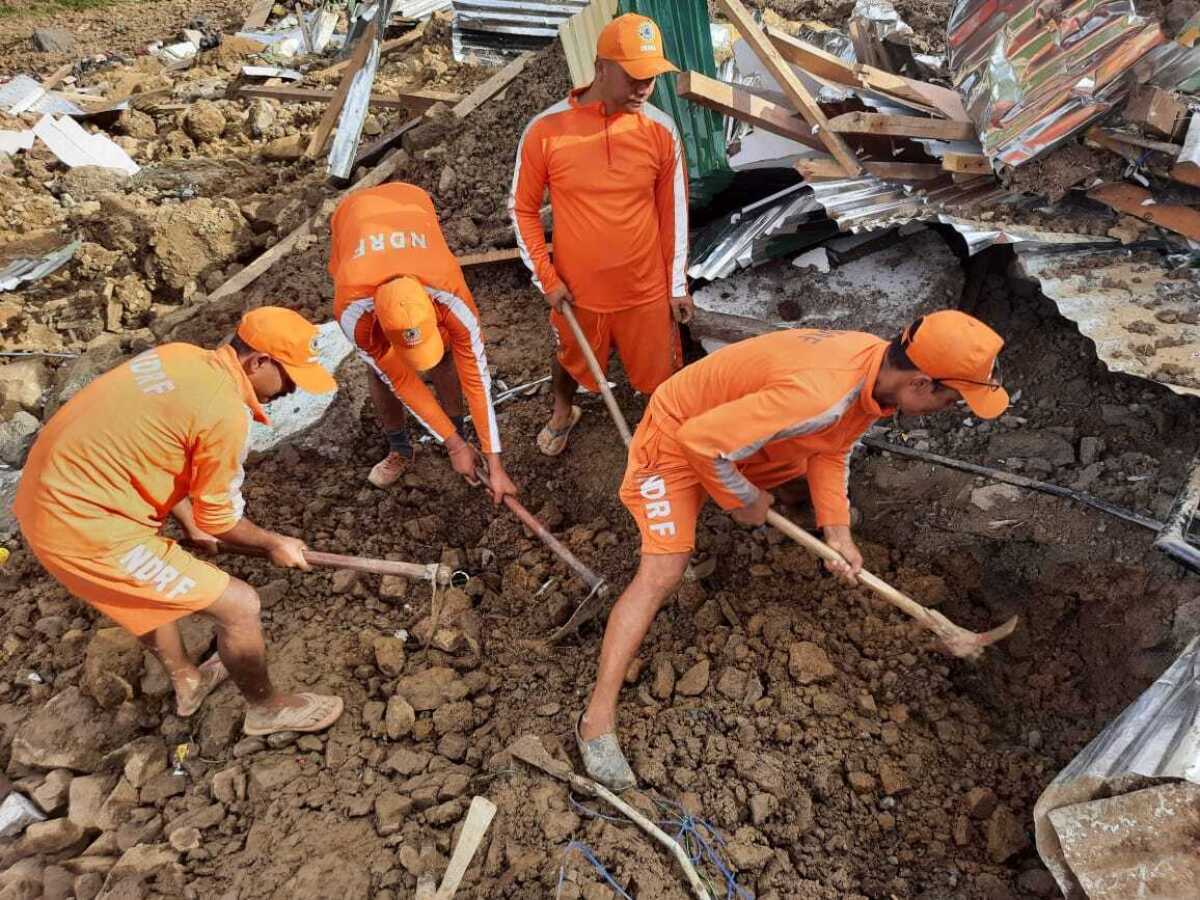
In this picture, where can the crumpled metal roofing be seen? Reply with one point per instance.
(496, 31)
(22, 270)
(1033, 73)
(867, 202)
(1157, 736)
(1140, 314)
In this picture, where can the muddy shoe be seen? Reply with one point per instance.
(318, 713)
(552, 441)
(604, 761)
(212, 675)
(388, 470)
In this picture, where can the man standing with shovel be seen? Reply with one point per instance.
(617, 176)
(756, 415)
(165, 433)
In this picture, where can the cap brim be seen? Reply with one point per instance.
(312, 378)
(646, 68)
(427, 355)
(985, 402)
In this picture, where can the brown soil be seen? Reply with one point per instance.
(835, 750)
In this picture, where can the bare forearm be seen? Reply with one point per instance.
(246, 534)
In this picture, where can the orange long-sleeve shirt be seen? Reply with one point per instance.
(618, 190)
(110, 465)
(788, 395)
(387, 232)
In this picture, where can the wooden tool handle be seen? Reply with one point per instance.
(594, 367)
(354, 563)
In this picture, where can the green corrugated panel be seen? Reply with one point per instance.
(688, 43)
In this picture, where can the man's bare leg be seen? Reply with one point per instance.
(188, 681)
(657, 576)
(562, 387)
(392, 414)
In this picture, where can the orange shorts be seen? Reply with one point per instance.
(140, 586)
(664, 494)
(646, 338)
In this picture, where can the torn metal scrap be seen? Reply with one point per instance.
(1141, 315)
(1156, 737)
(867, 203)
(980, 234)
(1034, 74)
(358, 99)
(27, 95)
(494, 31)
(21, 271)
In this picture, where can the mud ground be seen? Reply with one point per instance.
(836, 751)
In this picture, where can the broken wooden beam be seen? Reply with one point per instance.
(903, 126)
(967, 163)
(416, 101)
(792, 86)
(384, 49)
(362, 49)
(1140, 203)
(745, 106)
(826, 167)
(258, 15)
(1159, 111)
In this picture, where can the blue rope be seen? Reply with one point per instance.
(587, 854)
(707, 849)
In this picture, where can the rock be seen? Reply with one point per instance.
(447, 180)
(52, 40)
(1006, 836)
(431, 688)
(753, 768)
(144, 758)
(86, 799)
(991, 887)
(229, 785)
(1038, 882)
(731, 683)
(454, 718)
(272, 592)
(406, 762)
(118, 806)
(399, 719)
(990, 496)
(184, 839)
(111, 666)
(80, 372)
(52, 794)
(87, 886)
(1187, 621)
(893, 779)
(748, 857)
(391, 809)
(285, 149)
(559, 825)
(22, 384)
(762, 806)
(68, 732)
(194, 238)
(1090, 449)
(85, 183)
(16, 437)
(694, 681)
(1026, 444)
(390, 655)
(344, 581)
(861, 782)
(281, 739)
(135, 124)
(57, 884)
(663, 685)
(142, 861)
(980, 802)
(48, 838)
(162, 787)
(809, 664)
(203, 121)
(205, 817)
(269, 775)
(261, 117)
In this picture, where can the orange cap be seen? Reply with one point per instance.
(406, 315)
(959, 351)
(291, 340)
(636, 44)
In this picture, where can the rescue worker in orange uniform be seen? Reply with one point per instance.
(753, 416)
(617, 177)
(401, 299)
(167, 433)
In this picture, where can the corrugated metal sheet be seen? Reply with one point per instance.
(1158, 736)
(495, 31)
(868, 203)
(19, 271)
(1034, 73)
(980, 235)
(354, 112)
(1140, 314)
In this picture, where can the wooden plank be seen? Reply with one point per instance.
(866, 48)
(967, 163)
(258, 15)
(1135, 140)
(417, 101)
(475, 826)
(903, 126)
(320, 137)
(792, 86)
(52, 80)
(384, 49)
(746, 106)
(1160, 112)
(826, 167)
(826, 65)
(1186, 173)
(1138, 202)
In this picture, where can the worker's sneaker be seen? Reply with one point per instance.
(604, 761)
(388, 470)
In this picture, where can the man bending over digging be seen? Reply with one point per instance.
(753, 416)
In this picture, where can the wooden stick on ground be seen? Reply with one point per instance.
(792, 86)
(355, 563)
(959, 641)
(475, 826)
(601, 381)
(529, 749)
